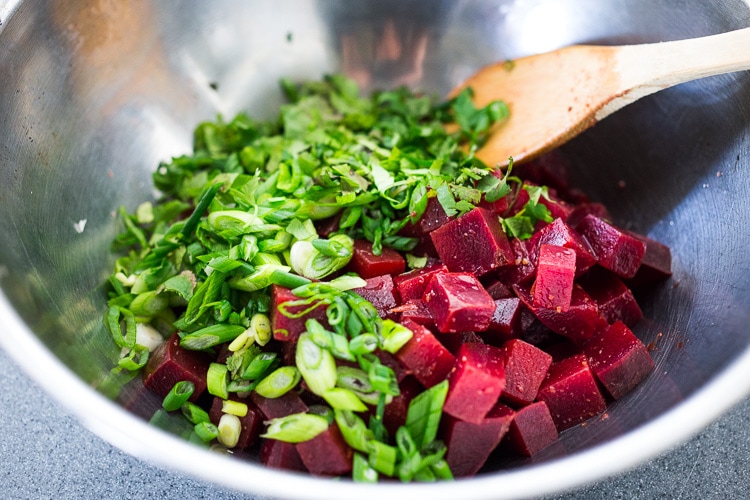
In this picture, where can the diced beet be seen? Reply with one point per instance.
(521, 199)
(289, 329)
(327, 454)
(522, 268)
(583, 209)
(499, 290)
(505, 323)
(381, 292)
(470, 444)
(368, 265)
(499, 206)
(411, 285)
(395, 412)
(613, 298)
(473, 243)
(433, 217)
(424, 355)
(555, 272)
(579, 322)
(615, 249)
(282, 406)
(618, 359)
(170, 363)
(571, 393)
(656, 264)
(454, 341)
(281, 455)
(560, 234)
(475, 382)
(414, 310)
(458, 303)
(327, 226)
(251, 423)
(525, 369)
(531, 430)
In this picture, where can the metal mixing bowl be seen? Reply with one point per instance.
(93, 94)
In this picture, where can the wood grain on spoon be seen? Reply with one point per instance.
(555, 96)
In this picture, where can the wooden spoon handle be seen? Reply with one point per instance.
(645, 69)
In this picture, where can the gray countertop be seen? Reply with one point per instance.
(46, 453)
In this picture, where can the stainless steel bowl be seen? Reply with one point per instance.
(94, 94)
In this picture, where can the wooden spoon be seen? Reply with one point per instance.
(555, 96)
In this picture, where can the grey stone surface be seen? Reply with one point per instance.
(46, 453)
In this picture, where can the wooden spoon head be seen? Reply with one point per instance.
(552, 98)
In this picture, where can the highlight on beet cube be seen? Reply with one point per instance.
(473, 243)
(411, 285)
(618, 359)
(555, 272)
(475, 382)
(458, 303)
(558, 233)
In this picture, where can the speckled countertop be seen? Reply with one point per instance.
(46, 453)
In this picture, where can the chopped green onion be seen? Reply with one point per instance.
(148, 304)
(296, 428)
(200, 209)
(288, 280)
(217, 380)
(177, 396)
(343, 399)
(278, 383)
(394, 336)
(194, 413)
(316, 365)
(211, 336)
(206, 431)
(383, 379)
(362, 344)
(257, 280)
(261, 325)
(353, 429)
(442, 470)
(332, 248)
(361, 470)
(236, 408)
(135, 359)
(259, 365)
(309, 262)
(383, 457)
(423, 415)
(229, 428)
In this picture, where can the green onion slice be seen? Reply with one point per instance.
(296, 428)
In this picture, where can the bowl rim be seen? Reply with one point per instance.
(138, 438)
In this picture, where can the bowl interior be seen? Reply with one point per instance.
(93, 95)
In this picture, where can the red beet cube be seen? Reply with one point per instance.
(584, 209)
(424, 355)
(433, 217)
(555, 271)
(470, 444)
(499, 206)
(579, 322)
(454, 341)
(473, 243)
(613, 298)
(571, 393)
(499, 290)
(531, 430)
(414, 310)
(560, 234)
(252, 423)
(458, 303)
(289, 329)
(287, 404)
(522, 268)
(381, 292)
(170, 363)
(525, 369)
(618, 358)
(368, 265)
(475, 382)
(656, 264)
(505, 322)
(411, 285)
(281, 455)
(327, 454)
(615, 249)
